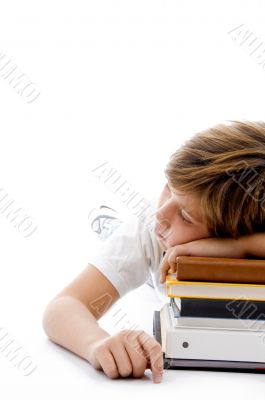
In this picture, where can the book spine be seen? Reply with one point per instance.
(211, 308)
(217, 270)
(214, 290)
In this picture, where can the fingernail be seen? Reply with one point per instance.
(158, 379)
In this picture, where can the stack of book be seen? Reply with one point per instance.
(216, 315)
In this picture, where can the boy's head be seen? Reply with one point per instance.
(219, 174)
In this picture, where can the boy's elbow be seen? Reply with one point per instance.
(49, 318)
(46, 320)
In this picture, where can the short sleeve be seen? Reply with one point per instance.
(125, 257)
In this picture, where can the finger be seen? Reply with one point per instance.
(136, 354)
(168, 263)
(155, 355)
(164, 267)
(172, 258)
(122, 358)
(108, 364)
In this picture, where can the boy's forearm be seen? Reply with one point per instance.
(69, 323)
(254, 245)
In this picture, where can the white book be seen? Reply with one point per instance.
(204, 343)
(214, 290)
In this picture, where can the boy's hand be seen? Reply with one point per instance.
(127, 353)
(209, 247)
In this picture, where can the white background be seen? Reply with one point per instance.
(121, 82)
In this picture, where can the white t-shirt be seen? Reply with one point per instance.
(128, 255)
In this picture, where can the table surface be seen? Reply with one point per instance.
(60, 371)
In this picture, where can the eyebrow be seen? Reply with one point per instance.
(190, 214)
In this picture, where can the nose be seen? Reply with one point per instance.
(165, 215)
(163, 222)
(166, 210)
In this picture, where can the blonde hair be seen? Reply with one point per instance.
(225, 166)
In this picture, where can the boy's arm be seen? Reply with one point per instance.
(244, 247)
(254, 245)
(70, 319)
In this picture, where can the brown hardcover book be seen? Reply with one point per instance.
(211, 269)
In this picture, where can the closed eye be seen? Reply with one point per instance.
(184, 219)
(180, 211)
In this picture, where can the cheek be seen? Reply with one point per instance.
(178, 236)
(182, 234)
